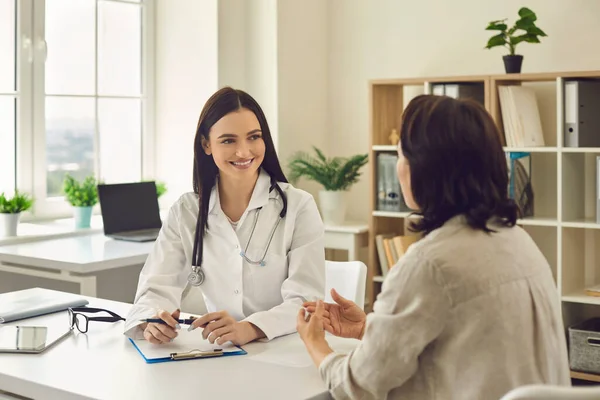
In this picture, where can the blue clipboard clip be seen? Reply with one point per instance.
(196, 354)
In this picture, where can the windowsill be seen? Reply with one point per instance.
(53, 229)
(64, 227)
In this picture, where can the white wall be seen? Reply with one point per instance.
(248, 52)
(278, 52)
(394, 39)
(185, 76)
(232, 25)
(303, 68)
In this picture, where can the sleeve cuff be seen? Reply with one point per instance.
(271, 326)
(327, 372)
(132, 323)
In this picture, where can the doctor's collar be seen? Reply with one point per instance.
(260, 194)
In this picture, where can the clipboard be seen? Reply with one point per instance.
(186, 346)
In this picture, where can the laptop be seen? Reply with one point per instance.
(130, 211)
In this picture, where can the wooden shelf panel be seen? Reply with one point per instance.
(582, 223)
(581, 298)
(580, 149)
(545, 76)
(538, 221)
(541, 149)
(391, 214)
(385, 147)
(585, 376)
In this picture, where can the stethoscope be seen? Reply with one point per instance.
(197, 276)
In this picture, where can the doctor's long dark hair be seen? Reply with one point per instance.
(221, 103)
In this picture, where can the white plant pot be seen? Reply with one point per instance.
(8, 224)
(333, 206)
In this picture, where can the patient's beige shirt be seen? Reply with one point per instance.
(463, 315)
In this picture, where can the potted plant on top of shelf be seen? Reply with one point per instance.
(524, 30)
(336, 175)
(82, 196)
(10, 211)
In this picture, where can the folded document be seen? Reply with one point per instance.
(36, 301)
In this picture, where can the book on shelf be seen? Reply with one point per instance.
(391, 248)
(463, 90)
(520, 117)
(389, 194)
(593, 291)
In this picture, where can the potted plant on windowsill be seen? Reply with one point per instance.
(83, 196)
(10, 212)
(524, 30)
(336, 175)
(161, 188)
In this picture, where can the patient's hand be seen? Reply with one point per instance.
(344, 319)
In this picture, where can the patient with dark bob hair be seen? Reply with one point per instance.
(471, 311)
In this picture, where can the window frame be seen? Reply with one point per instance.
(31, 131)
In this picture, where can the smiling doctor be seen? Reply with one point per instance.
(245, 242)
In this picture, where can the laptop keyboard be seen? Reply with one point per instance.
(144, 232)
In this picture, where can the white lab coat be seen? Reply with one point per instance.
(268, 297)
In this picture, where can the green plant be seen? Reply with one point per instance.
(18, 203)
(336, 173)
(161, 188)
(524, 30)
(81, 194)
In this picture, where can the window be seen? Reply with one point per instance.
(8, 94)
(74, 95)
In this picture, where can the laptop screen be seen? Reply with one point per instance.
(129, 206)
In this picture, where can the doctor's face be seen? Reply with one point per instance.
(236, 144)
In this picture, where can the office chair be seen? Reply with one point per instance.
(348, 278)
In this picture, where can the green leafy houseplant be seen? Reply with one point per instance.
(19, 202)
(161, 188)
(334, 174)
(81, 194)
(524, 30)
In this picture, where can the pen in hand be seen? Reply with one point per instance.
(187, 321)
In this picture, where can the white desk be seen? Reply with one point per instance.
(72, 259)
(348, 237)
(103, 364)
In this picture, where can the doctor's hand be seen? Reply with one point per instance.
(220, 327)
(162, 333)
(344, 319)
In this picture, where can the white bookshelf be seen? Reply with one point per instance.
(564, 183)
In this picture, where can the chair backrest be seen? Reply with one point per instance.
(348, 278)
(551, 392)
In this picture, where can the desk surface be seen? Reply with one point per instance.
(348, 227)
(103, 364)
(81, 254)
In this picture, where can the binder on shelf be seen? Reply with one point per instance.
(389, 194)
(582, 119)
(463, 90)
(598, 189)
